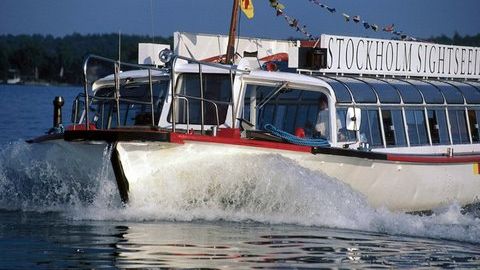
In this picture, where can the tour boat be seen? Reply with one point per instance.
(397, 121)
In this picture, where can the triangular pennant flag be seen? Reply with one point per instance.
(247, 8)
(366, 25)
(346, 17)
(374, 27)
(294, 23)
(332, 10)
(356, 19)
(323, 6)
(279, 12)
(389, 28)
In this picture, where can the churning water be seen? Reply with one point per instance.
(234, 211)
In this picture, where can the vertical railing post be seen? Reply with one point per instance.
(85, 88)
(151, 95)
(234, 111)
(172, 85)
(117, 90)
(201, 96)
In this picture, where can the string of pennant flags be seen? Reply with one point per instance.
(357, 19)
(390, 28)
(291, 21)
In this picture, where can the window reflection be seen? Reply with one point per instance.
(458, 125)
(344, 135)
(393, 127)
(288, 109)
(416, 127)
(370, 127)
(473, 117)
(437, 122)
(216, 88)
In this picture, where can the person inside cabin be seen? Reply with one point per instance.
(322, 124)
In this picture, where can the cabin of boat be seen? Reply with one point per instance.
(395, 114)
(408, 142)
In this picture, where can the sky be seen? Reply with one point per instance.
(417, 18)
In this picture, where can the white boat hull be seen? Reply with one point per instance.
(398, 186)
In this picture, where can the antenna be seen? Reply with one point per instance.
(151, 20)
(119, 46)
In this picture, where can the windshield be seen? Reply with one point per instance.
(135, 101)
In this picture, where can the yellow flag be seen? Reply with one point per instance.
(247, 8)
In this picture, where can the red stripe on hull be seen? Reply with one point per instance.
(433, 159)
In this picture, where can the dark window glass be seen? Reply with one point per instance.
(477, 124)
(393, 127)
(286, 109)
(386, 92)
(473, 120)
(217, 89)
(131, 112)
(458, 125)
(410, 94)
(417, 129)
(341, 92)
(437, 122)
(471, 93)
(343, 135)
(362, 92)
(370, 127)
(431, 94)
(451, 93)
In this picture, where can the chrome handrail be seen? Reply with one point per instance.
(214, 102)
(188, 110)
(232, 70)
(117, 98)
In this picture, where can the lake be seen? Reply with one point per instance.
(57, 214)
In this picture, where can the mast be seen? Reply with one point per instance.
(229, 59)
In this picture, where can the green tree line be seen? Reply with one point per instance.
(59, 59)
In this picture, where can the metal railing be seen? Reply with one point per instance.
(117, 84)
(232, 72)
(117, 98)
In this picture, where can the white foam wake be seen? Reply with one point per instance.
(241, 187)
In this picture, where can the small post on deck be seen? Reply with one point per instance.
(57, 111)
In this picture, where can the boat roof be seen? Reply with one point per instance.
(135, 75)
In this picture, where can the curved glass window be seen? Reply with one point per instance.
(362, 92)
(471, 94)
(386, 93)
(393, 127)
(217, 89)
(341, 92)
(437, 121)
(431, 94)
(473, 118)
(475, 84)
(410, 94)
(451, 94)
(344, 135)
(370, 127)
(458, 125)
(416, 127)
(287, 109)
